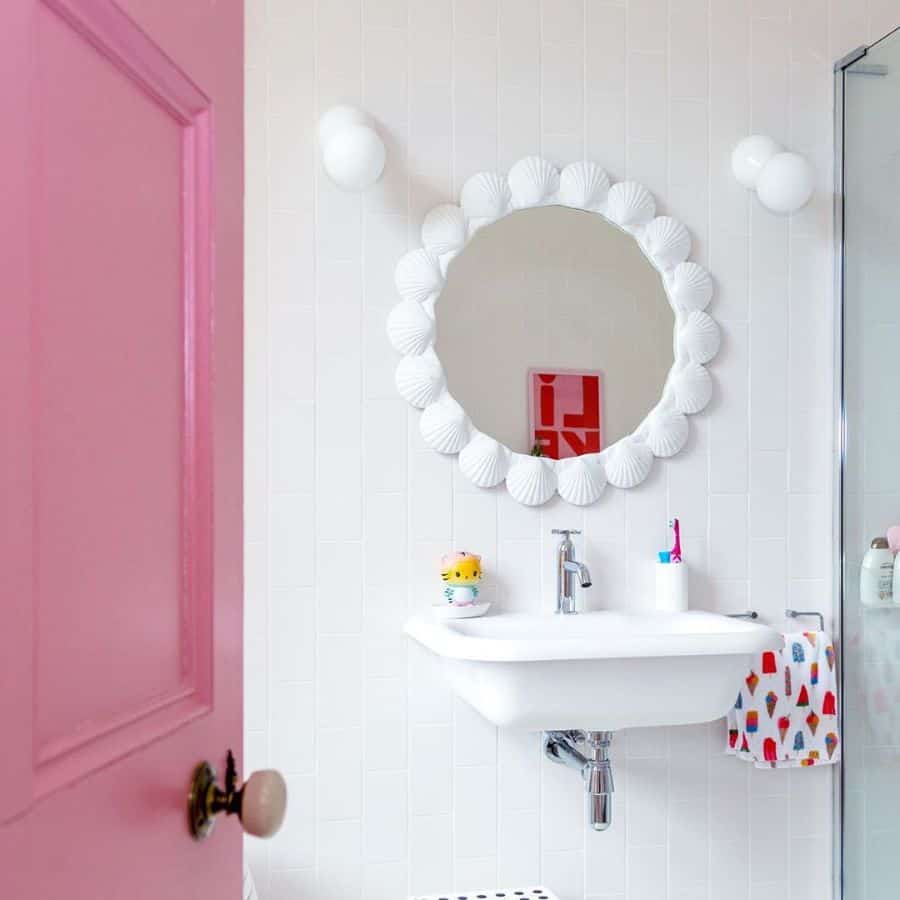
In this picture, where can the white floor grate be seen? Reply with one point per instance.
(529, 893)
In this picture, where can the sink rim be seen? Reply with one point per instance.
(453, 639)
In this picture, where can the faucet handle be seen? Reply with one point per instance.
(565, 531)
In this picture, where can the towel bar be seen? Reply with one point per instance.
(796, 613)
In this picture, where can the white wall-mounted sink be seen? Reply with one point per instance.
(596, 671)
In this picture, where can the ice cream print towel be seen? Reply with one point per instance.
(786, 712)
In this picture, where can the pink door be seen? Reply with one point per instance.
(120, 474)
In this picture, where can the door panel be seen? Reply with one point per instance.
(122, 535)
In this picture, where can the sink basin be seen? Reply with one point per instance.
(597, 671)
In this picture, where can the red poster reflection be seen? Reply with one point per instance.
(565, 414)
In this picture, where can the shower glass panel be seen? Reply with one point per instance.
(868, 91)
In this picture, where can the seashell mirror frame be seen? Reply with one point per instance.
(420, 275)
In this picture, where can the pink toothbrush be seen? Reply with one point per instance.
(675, 556)
(893, 537)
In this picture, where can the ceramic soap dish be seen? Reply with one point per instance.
(452, 611)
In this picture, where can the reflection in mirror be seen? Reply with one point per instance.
(535, 308)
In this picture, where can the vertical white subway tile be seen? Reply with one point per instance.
(728, 543)
(475, 811)
(809, 535)
(562, 91)
(385, 713)
(385, 881)
(729, 451)
(292, 727)
(431, 499)
(475, 17)
(385, 93)
(648, 785)
(562, 20)
(431, 758)
(291, 546)
(688, 49)
(431, 855)
(339, 782)
(518, 858)
(290, 268)
(646, 872)
(519, 759)
(339, 597)
(384, 832)
(339, 681)
(688, 843)
(292, 635)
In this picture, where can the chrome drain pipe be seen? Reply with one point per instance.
(595, 768)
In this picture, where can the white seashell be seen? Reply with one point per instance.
(444, 229)
(630, 203)
(583, 185)
(410, 328)
(691, 388)
(420, 379)
(484, 461)
(628, 463)
(485, 196)
(668, 242)
(699, 337)
(531, 479)
(418, 275)
(445, 426)
(581, 479)
(532, 181)
(666, 432)
(691, 286)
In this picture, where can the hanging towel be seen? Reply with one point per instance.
(785, 715)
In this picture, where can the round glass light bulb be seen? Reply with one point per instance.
(785, 183)
(354, 157)
(750, 155)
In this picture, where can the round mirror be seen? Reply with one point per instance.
(555, 332)
(552, 331)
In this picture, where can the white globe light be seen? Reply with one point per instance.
(785, 183)
(354, 157)
(337, 119)
(749, 157)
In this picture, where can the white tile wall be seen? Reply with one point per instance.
(395, 787)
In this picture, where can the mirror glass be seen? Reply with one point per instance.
(554, 330)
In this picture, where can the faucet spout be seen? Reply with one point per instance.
(581, 570)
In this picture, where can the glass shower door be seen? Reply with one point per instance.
(870, 90)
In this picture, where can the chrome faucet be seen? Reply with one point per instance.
(568, 568)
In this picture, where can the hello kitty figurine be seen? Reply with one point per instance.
(461, 573)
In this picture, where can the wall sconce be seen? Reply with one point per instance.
(352, 152)
(783, 181)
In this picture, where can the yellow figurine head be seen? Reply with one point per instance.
(461, 569)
